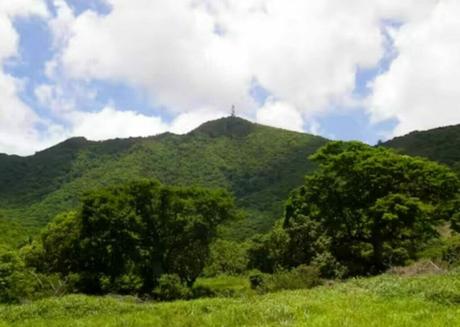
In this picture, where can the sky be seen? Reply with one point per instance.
(351, 70)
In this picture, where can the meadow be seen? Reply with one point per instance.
(386, 300)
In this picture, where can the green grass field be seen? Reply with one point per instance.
(387, 300)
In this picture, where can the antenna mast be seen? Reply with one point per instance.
(233, 114)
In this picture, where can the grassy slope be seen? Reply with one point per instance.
(432, 300)
(439, 144)
(260, 164)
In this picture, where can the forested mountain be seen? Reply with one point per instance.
(439, 144)
(259, 164)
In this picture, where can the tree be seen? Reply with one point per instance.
(16, 281)
(227, 257)
(370, 208)
(123, 239)
(268, 252)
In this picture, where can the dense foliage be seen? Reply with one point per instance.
(124, 239)
(364, 210)
(260, 165)
(12, 232)
(227, 257)
(439, 144)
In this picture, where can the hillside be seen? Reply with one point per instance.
(388, 300)
(259, 164)
(439, 144)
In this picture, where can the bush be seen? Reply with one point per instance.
(221, 286)
(200, 291)
(301, 277)
(257, 279)
(124, 284)
(444, 251)
(16, 281)
(451, 253)
(170, 287)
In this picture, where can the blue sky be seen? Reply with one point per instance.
(87, 67)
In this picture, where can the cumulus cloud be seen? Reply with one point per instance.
(166, 47)
(280, 114)
(18, 122)
(187, 121)
(110, 123)
(421, 88)
(194, 54)
(195, 58)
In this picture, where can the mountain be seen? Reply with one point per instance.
(439, 144)
(259, 164)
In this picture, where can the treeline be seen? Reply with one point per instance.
(361, 212)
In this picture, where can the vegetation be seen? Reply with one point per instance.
(260, 165)
(387, 300)
(12, 233)
(133, 239)
(227, 258)
(364, 210)
(439, 144)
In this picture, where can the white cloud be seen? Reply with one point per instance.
(166, 47)
(23, 8)
(187, 121)
(110, 123)
(196, 58)
(205, 54)
(18, 122)
(61, 24)
(304, 52)
(421, 88)
(280, 114)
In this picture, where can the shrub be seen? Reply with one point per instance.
(301, 277)
(444, 251)
(257, 279)
(16, 281)
(221, 286)
(125, 284)
(451, 253)
(170, 287)
(199, 291)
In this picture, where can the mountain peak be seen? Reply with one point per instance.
(228, 126)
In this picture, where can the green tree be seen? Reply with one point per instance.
(269, 251)
(16, 281)
(369, 208)
(227, 257)
(123, 239)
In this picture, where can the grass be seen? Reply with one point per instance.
(388, 300)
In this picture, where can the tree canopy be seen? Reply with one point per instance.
(365, 209)
(123, 239)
